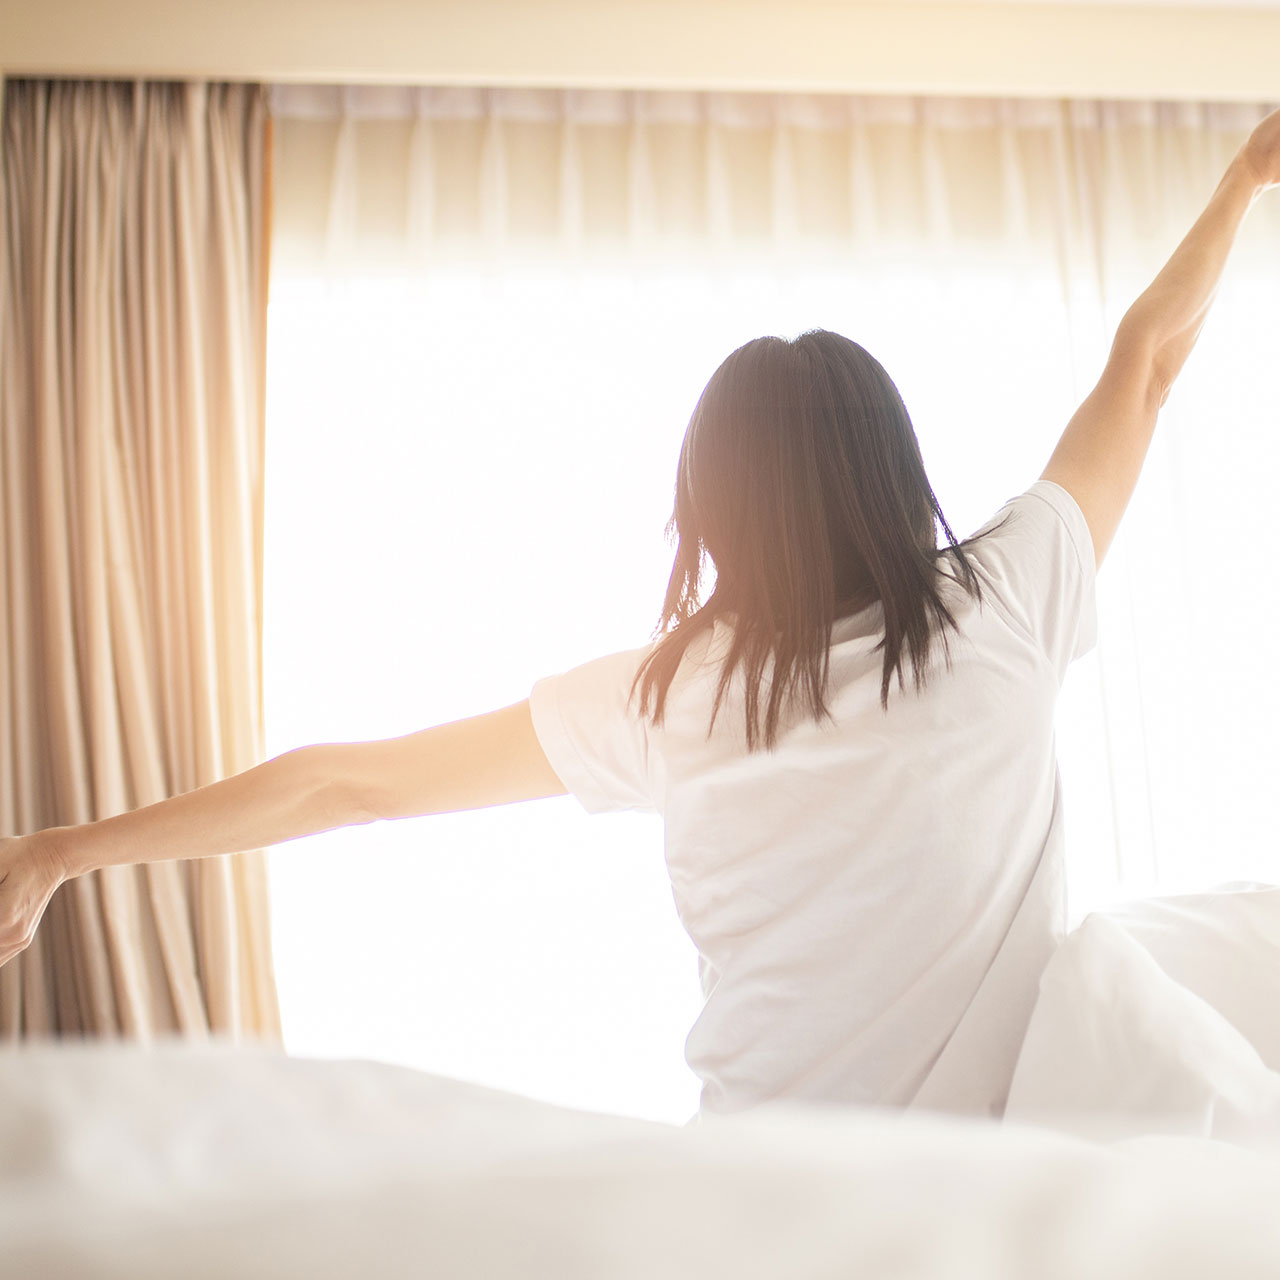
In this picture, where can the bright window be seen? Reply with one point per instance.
(468, 480)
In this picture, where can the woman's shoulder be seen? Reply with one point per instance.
(1034, 563)
(1042, 518)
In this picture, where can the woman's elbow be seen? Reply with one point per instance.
(343, 794)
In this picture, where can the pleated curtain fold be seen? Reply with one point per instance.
(132, 349)
(391, 178)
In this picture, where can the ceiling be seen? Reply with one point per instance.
(1162, 49)
(1211, 6)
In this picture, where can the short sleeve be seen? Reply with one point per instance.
(1036, 555)
(598, 744)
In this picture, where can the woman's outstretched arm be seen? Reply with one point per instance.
(469, 764)
(1102, 450)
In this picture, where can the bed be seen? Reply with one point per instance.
(1142, 1139)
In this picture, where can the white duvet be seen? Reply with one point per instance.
(1161, 1016)
(1142, 1140)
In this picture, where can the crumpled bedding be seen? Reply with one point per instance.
(1161, 1016)
(1140, 1141)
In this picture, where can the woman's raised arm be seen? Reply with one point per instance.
(469, 764)
(1102, 450)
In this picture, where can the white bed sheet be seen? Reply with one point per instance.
(217, 1160)
(240, 1162)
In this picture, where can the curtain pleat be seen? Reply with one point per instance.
(131, 439)
(388, 179)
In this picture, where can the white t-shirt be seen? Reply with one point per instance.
(874, 900)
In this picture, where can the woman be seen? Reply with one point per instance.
(850, 739)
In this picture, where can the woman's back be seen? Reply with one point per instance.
(873, 900)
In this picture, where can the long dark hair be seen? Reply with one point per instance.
(801, 480)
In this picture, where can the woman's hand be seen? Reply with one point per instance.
(30, 870)
(1262, 151)
(1101, 452)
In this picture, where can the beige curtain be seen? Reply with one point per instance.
(132, 309)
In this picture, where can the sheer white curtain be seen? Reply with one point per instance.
(492, 312)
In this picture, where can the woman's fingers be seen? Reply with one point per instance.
(29, 875)
(8, 952)
(1263, 150)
